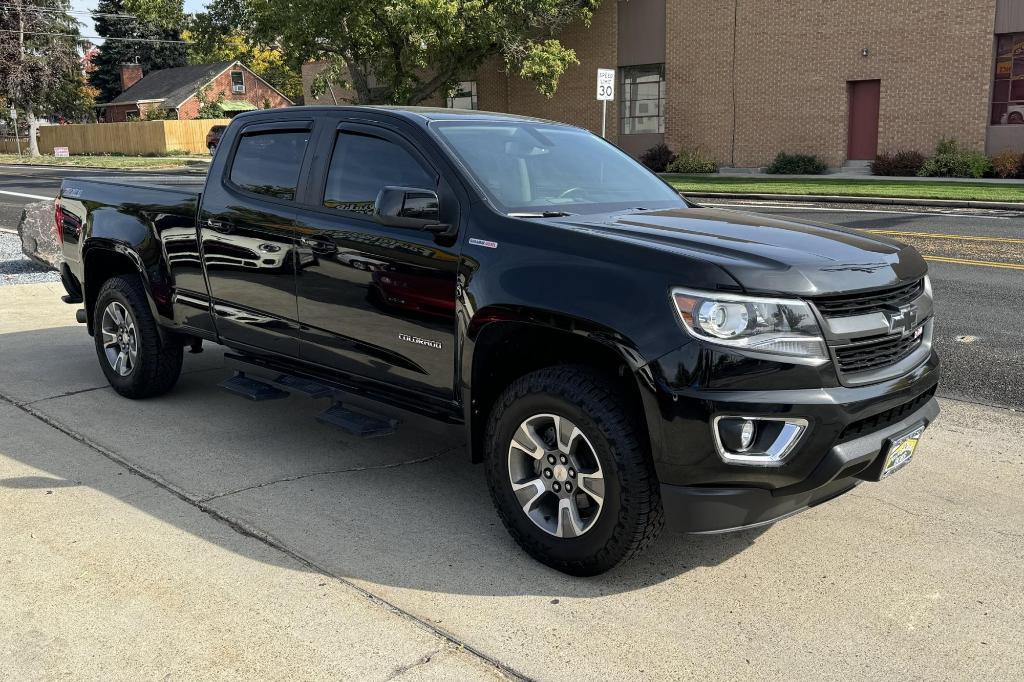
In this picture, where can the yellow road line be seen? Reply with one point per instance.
(980, 263)
(960, 237)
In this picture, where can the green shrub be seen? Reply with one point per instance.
(952, 161)
(797, 164)
(658, 158)
(1007, 164)
(901, 163)
(691, 161)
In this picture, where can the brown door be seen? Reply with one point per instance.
(862, 143)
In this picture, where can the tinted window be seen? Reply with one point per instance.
(362, 165)
(269, 163)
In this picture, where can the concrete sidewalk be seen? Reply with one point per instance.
(198, 535)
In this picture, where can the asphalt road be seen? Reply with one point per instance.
(976, 260)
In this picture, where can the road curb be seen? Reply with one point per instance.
(190, 164)
(886, 201)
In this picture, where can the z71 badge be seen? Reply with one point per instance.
(419, 342)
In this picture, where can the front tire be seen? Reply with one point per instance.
(137, 362)
(568, 471)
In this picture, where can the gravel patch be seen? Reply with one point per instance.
(15, 268)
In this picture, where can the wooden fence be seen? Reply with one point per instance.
(135, 137)
(9, 145)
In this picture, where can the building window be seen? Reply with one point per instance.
(1008, 84)
(464, 96)
(237, 82)
(643, 99)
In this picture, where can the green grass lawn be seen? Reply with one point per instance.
(900, 189)
(99, 161)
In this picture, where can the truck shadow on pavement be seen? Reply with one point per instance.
(408, 511)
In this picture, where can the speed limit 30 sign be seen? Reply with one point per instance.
(606, 84)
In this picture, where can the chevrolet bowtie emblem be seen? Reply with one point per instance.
(903, 320)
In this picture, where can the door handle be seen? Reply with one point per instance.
(222, 226)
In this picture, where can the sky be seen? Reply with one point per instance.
(88, 5)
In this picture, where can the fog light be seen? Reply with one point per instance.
(759, 441)
(737, 434)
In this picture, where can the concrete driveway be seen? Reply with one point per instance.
(200, 535)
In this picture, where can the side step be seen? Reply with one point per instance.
(313, 389)
(252, 389)
(357, 423)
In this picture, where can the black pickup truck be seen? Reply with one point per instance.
(616, 355)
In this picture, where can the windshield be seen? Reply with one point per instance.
(527, 167)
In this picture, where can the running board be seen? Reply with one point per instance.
(314, 389)
(363, 425)
(252, 389)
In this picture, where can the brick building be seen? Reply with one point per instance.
(178, 90)
(745, 79)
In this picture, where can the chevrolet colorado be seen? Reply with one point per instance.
(616, 355)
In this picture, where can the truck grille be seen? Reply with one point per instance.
(848, 305)
(878, 353)
(881, 420)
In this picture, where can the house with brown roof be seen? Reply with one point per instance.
(178, 90)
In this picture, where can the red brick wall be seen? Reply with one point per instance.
(118, 113)
(257, 92)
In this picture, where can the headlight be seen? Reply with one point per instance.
(757, 325)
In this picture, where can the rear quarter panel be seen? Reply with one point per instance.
(153, 227)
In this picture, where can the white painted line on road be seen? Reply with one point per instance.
(61, 169)
(7, 230)
(22, 194)
(796, 207)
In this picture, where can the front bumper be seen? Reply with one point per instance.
(710, 509)
(849, 427)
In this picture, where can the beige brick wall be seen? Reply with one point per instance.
(575, 100)
(793, 62)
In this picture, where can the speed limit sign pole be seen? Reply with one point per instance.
(605, 94)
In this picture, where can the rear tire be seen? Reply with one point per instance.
(137, 362)
(612, 510)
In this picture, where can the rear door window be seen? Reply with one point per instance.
(362, 165)
(269, 162)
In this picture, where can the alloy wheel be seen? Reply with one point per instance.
(556, 475)
(120, 339)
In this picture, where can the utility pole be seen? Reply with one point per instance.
(30, 116)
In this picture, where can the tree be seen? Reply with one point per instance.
(129, 26)
(72, 99)
(38, 53)
(211, 42)
(404, 51)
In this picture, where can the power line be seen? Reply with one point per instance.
(50, 10)
(73, 35)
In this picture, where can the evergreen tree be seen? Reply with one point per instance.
(153, 56)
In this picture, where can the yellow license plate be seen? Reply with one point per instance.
(901, 452)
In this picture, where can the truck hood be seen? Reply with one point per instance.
(764, 254)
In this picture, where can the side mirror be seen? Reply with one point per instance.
(411, 207)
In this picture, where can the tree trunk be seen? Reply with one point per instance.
(33, 128)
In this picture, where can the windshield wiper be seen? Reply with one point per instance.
(541, 214)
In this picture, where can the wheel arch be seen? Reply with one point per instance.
(103, 260)
(504, 343)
